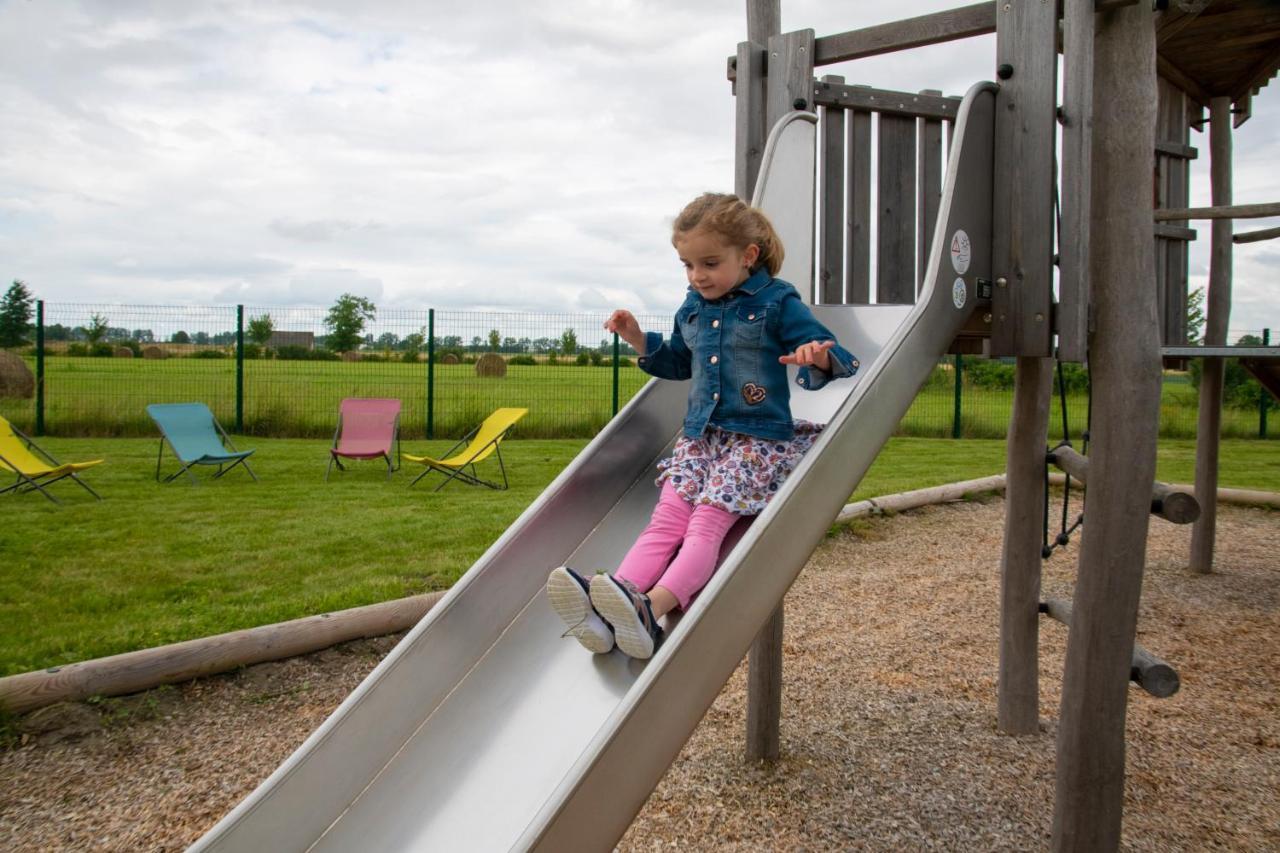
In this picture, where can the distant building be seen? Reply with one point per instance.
(292, 339)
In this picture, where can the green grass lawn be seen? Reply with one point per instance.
(157, 564)
(108, 397)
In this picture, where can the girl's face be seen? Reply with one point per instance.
(713, 265)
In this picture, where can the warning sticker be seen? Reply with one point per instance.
(959, 293)
(961, 252)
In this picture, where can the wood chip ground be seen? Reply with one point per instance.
(888, 736)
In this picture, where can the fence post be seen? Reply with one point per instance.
(616, 354)
(39, 367)
(1263, 395)
(955, 414)
(431, 373)
(239, 368)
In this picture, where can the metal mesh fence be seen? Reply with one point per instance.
(103, 364)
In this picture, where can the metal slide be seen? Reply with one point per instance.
(484, 729)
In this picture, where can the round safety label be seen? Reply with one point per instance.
(961, 252)
(959, 293)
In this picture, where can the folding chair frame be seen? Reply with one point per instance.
(334, 460)
(186, 466)
(460, 473)
(27, 483)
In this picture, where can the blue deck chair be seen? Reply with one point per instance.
(196, 438)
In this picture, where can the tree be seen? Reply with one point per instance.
(569, 341)
(388, 341)
(97, 328)
(15, 315)
(260, 329)
(346, 320)
(180, 337)
(495, 338)
(1195, 315)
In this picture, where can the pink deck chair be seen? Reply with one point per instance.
(367, 428)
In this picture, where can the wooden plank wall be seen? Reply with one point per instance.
(1173, 161)
(903, 195)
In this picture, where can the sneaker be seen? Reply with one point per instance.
(570, 597)
(629, 614)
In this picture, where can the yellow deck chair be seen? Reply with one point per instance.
(480, 443)
(33, 467)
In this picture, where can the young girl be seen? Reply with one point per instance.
(733, 337)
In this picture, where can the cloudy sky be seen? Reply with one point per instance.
(501, 155)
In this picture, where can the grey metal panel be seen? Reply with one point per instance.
(484, 730)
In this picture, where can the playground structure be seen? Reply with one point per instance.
(472, 707)
(1135, 79)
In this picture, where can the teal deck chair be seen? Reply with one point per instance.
(196, 438)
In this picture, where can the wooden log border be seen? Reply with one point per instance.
(141, 670)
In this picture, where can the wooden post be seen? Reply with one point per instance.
(1146, 670)
(831, 217)
(790, 78)
(1077, 165)
(1215, 334)
(1124, 360)
(896, 210)
(1022, 254)
(1018, 691)
(930, 189)
(858, 258)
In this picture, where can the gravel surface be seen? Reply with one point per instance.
(888, 733)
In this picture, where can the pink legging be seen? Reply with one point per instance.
(696, 531)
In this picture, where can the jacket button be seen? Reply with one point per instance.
(715, 395)
(715, 324)
(751, 316)
(715, 359)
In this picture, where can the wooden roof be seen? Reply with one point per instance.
(1212, 48)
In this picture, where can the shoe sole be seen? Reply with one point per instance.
(572, 604)
(616, 608)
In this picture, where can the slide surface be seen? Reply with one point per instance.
(484, 729)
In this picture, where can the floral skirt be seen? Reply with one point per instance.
(735, 472)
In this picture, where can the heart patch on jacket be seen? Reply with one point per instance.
(753, 393)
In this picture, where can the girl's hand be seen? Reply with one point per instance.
(624, 324)
(812, 354)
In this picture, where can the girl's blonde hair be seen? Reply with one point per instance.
(736, 222)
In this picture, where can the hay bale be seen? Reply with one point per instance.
(449, 358)
(123, 352)
(351, 355)
(491, 364)
(154, 352)
(16, 379)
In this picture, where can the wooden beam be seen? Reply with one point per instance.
(964, 22)
(1146, 670)
(1182, 80)
(1255, 236)
(1124, 364)
(1258, 75)
(1174, 149)
(1174, 232)
(177, 662)
(1221, 211)
(928, 104)
(928, 189)
(1166, 501)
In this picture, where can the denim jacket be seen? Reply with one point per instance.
(730, 346)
